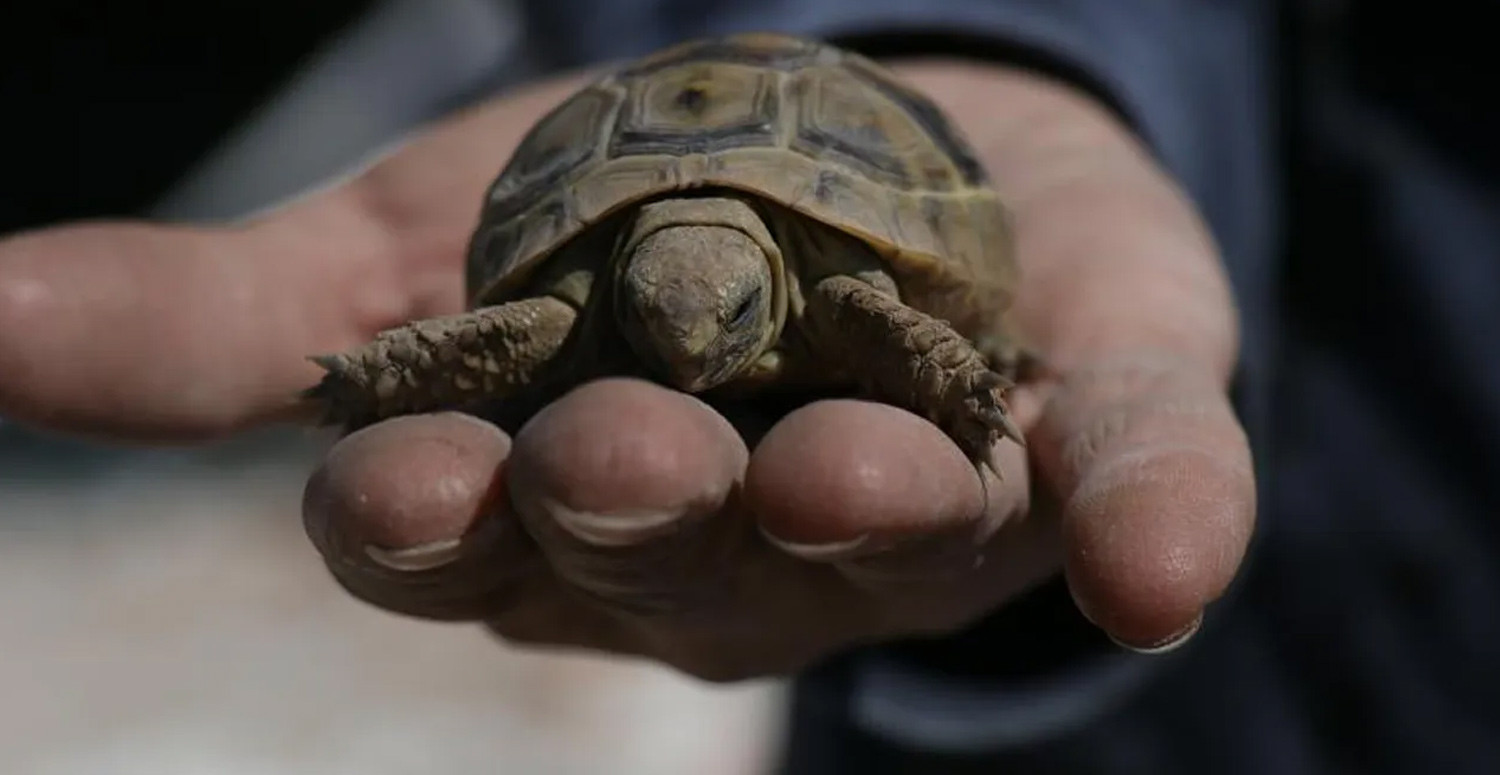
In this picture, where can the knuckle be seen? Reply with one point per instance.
(725, 665)
(719, 672)
(1144, 406)
(432, 601)
(670, 575)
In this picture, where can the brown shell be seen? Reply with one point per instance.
(819, 130)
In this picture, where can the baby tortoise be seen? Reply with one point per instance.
(726, 216)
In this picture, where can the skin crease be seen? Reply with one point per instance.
(702, 324)
(633, 519)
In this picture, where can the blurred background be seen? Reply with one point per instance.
(161, 611)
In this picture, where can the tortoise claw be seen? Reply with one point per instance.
(986, 417)
(992, 411)
(991, 380)
(991, 460)
(333, 362)
(1000, 420)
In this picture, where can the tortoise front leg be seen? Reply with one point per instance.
(910, 359)
(443, 363)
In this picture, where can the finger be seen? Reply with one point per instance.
(629, 490)
(1140, 445)
(1123, 292)
(1157, 490)
(409, 515)
(161, 333)
(171, 333)
(880, 493)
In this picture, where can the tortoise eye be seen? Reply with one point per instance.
(744, 314)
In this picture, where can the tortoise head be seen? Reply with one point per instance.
(700, 289)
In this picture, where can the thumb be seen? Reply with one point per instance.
(1126, 301)
(1153, 475)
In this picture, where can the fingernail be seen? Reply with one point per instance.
(1168, 644)
(616, 529)
(822, 552)
(412, 559)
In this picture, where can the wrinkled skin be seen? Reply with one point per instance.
(696, 296)
(632, 519)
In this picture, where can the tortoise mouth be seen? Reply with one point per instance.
(694, 378)
(690, 355)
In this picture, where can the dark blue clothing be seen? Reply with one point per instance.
(1345, 156)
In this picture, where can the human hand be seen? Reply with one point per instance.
(629, 518)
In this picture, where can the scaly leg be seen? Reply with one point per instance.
(442, 363)
(910, 359)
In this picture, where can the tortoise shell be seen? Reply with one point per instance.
(816, 129)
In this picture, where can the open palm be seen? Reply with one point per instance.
(630, 518)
